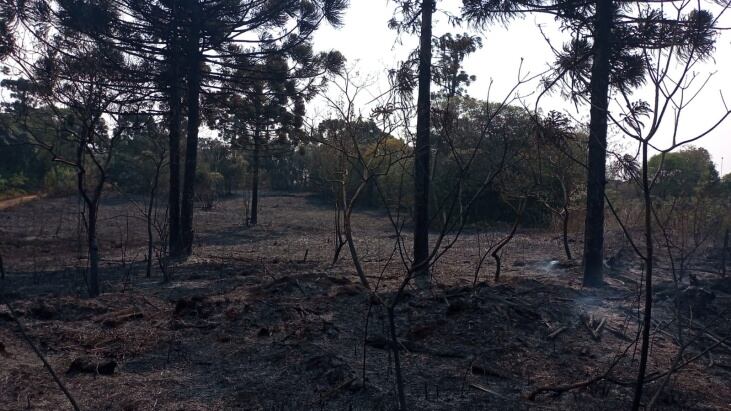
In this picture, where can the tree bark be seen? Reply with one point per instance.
(396, 359)
(92, 203)
(566, 247)
(348, 228)
(255, 179)
(596, 179)
(191, 147)
(565, 220)
(175, 239)
(724, 253)
(93, 251)
(422, 151)
(496, 251)
(150, 218)
(649, 255)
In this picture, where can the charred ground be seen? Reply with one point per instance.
(258, 319)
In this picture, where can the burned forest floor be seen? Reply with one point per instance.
(259, 319)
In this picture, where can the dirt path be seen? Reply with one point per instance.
(16, 201)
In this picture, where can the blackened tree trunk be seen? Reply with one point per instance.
(596, 180)
(649, 256)
(724, 253)
(151, 217)
(505, 241)
(255, 179)
(91, 201)
(175, 240)
(2, 268)
(422, 151)
(93, 250)
(566, 247)
(191, 148)
(565, 217)
(150, 238)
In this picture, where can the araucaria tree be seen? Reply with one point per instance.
(605, 53)
(193, 47)
(216, 35)
(410, 14)
(261, 109)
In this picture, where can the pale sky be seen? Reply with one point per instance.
(367, 42)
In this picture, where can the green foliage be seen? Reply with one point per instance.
(219, 157)
(138, 154)
(288, 171)
(685, 173)
(505, 170)
(334, 158)
(24, 165)
(12, 185)
(60, 181)
(508, 164)
(726, 185)
(208, 186)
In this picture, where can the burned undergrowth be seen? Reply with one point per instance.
(258, 325)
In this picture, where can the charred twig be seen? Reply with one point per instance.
(555, 333)
(596, 331)
(42, 358)
(337, 388)
(2, 268)
(487, 390)
(558, 389)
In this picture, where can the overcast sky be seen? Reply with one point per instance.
(366, 41)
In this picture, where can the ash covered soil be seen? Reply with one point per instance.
(259, 319)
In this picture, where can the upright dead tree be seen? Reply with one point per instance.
(724, 252)
(366, 150)
(85, 93)
(560, 151)
(143, 143)
(452, 80)
(675, 84)
(371, 162)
